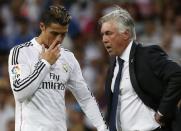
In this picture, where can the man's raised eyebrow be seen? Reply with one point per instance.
(106, 32)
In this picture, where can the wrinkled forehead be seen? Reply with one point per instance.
(108, 25)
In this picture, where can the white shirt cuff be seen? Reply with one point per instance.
(102, 128)
(46, 62)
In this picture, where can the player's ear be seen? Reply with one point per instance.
(42, 26)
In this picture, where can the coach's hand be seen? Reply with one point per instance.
(159, 119)
(179, 104)
(52, 53)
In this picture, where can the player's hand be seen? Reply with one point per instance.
(103, 128)
(52, 53)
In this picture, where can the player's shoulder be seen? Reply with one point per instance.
(22, 46)
(68, 55)
(67, 52)
(19, 52)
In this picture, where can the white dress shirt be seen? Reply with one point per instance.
(132, 113)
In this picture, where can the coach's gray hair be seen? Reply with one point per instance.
(122, 18)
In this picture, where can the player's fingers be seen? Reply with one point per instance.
(58, 54)
(58, 51)
(54, 44)
(57, 48)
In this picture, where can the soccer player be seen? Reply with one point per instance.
(40, 70)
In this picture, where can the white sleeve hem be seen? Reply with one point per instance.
(46, 62)
(101, 128)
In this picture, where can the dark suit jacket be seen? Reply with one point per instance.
(155, 78)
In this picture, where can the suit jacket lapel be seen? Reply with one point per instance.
(133, 72)
(132, 69)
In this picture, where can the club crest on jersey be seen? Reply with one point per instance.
(65, 67)
(16, 71)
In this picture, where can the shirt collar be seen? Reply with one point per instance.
(125, 54)
(36, 44)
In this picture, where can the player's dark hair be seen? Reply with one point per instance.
(56, 14)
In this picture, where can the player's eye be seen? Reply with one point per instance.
(54, 33)
(63, 34)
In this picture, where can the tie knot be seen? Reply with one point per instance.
(120, 61)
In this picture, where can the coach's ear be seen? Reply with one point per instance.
(42, 26)
(126, 35)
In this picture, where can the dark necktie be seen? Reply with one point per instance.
(115, 97)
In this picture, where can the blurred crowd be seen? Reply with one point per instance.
(157, 22)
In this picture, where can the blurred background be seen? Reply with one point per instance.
(157, 22)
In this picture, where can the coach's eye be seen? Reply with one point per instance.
(108, 33)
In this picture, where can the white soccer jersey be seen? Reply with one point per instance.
(39, 89)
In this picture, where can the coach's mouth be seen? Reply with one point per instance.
(108, 48)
